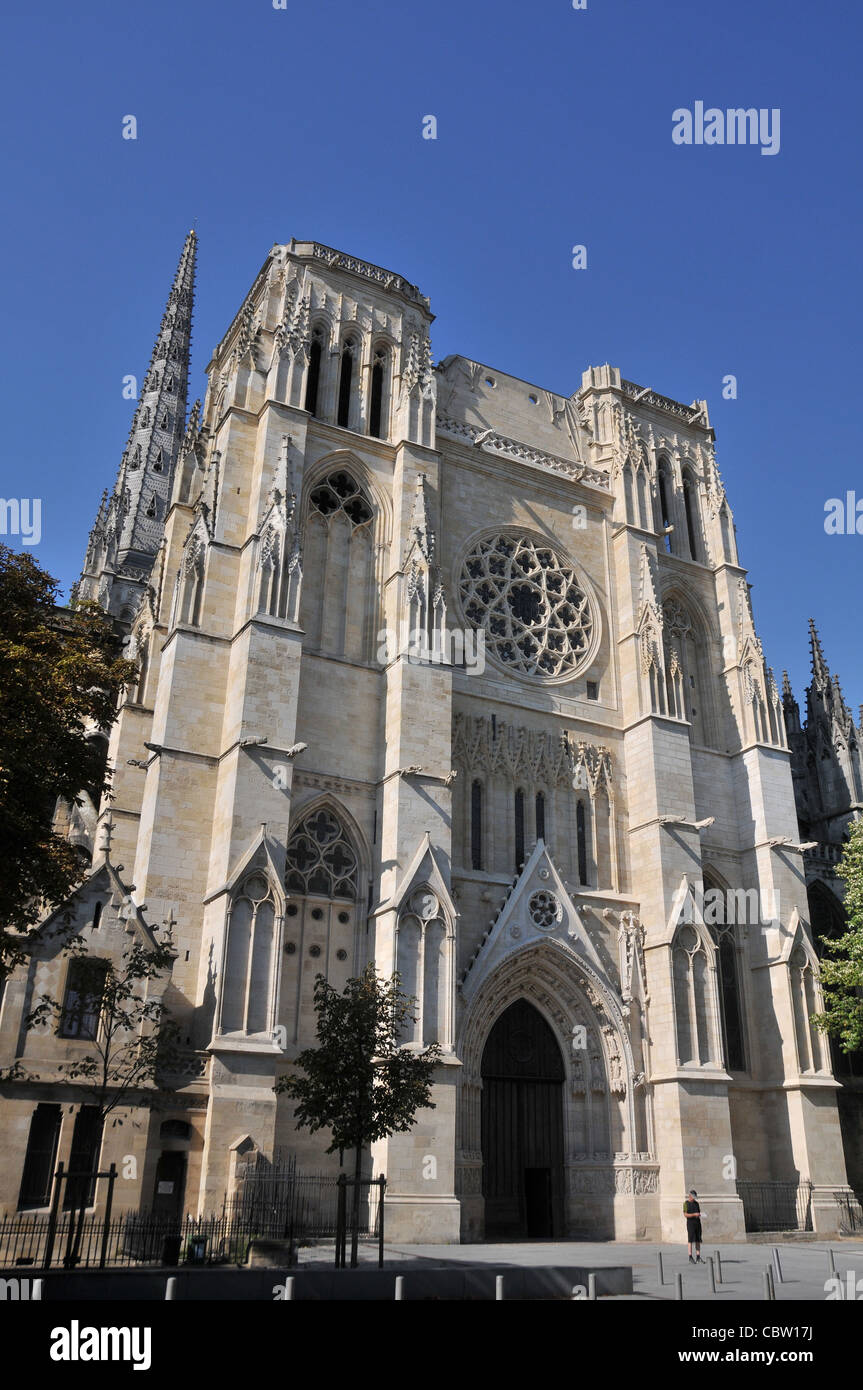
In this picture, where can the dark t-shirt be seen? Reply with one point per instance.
(691, 1208)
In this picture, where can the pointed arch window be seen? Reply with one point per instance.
(540, 815)
(693, 1010)
(143, 670)
(730, 988)
(313, 377)
(665, 518)
(339, 595)
(805, 1000)
(248, 973)
(320, 858)
(690, 503)
(346, 374)
(424, 957)
(519, 830)
(192, 591)
(376, 395)
(581, 841)
(158, 461)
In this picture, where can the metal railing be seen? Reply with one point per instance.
(274, 1201)
(776, 1206)
(850, 1206)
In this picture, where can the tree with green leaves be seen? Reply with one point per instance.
(842, 963)
(134, 1047)
(360, 1082)
(60, 678)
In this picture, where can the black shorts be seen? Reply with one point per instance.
(693, 1230)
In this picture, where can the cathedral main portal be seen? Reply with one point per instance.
(522, 1127)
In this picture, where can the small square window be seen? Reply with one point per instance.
(593, 690)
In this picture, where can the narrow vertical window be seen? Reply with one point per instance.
(664, 509)
(540, 815)
(519, 829)
(313, 376)
(476, 826)
(688, 503)
(36, 1179)
(142, 675)
(377, 396)
(581, 842)
(84, 1158)
(345, 376)
(729, 989)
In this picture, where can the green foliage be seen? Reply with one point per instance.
(359, 1082)
(842, 965)
(60, 677)
(135, 1045)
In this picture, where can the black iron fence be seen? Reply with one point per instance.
(850, 1212)
(274, 1201)
(776, 1206)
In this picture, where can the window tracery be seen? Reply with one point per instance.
(320, 858)
(535, 615)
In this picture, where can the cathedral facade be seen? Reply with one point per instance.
(444, 670)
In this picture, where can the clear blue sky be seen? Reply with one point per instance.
(554, 128)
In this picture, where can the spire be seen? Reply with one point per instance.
(820, 669)
(131, 527)
(787, 692)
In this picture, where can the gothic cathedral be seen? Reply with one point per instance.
(446, 671)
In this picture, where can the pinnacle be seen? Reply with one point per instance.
(820, 669)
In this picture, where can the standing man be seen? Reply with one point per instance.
(692, 1212)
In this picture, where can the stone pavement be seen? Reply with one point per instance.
(805, 1264)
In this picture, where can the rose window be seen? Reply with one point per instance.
(544, 909)
(530, 605)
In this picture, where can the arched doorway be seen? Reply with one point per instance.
(522, 1127)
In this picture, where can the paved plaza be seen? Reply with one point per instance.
(805, 1265)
